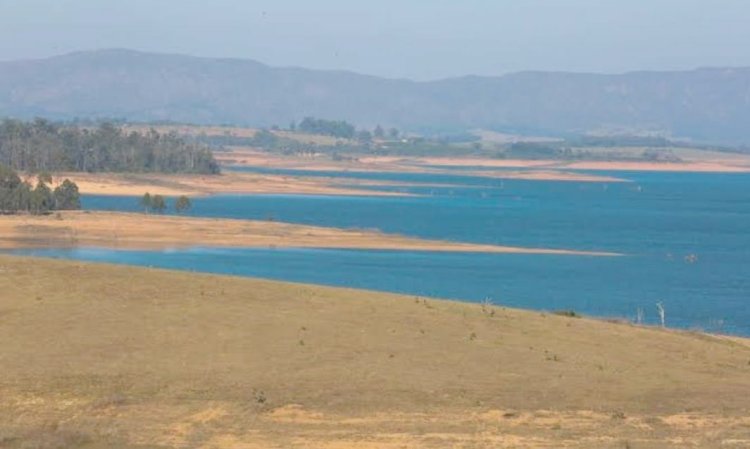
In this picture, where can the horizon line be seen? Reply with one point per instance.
(354, 72)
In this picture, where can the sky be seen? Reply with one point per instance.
(417, 39)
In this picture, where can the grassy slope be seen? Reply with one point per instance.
(105, 356)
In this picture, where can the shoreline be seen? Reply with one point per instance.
(248, 183)
(535, 169)
(238, 183)
(119, 230)
(688, 166)
(549, 175)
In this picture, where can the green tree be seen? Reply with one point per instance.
(17, 195)
(67, 196)
(42, 199)
(9, 179)
(265, 139)
(364, 136)
(146, 202)
(9, 182)
(19, 199)
(335, 128)
(183, 204)
(41, 146)
(158, 204)
(379, 132)
(393, 133)
(44, 177)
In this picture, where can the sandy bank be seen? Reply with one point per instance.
(142, 231)
(689, 166)
(228, 183)
(547, 175)
(410, 165)
(734, 165)
(132, 358)
(315, 162)
(541, 170)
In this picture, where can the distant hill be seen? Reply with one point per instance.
(705, 104)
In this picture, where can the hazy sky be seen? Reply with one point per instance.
(421, 39)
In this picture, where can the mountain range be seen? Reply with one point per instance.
(707, 105)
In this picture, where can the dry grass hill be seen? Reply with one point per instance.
(101, 356)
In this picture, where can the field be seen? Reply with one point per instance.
(99, 356)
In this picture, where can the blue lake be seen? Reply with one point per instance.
(686, 240)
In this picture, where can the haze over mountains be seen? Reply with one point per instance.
(711, 105)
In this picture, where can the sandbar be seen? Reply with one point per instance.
(120, 230)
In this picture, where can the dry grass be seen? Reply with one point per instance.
(131, 357)
(146, 231)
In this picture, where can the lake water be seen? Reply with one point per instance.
(686, 240)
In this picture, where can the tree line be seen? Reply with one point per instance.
(343, 129)
(41, 145)
(334, 128)
(158, 204)
(18, 195)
